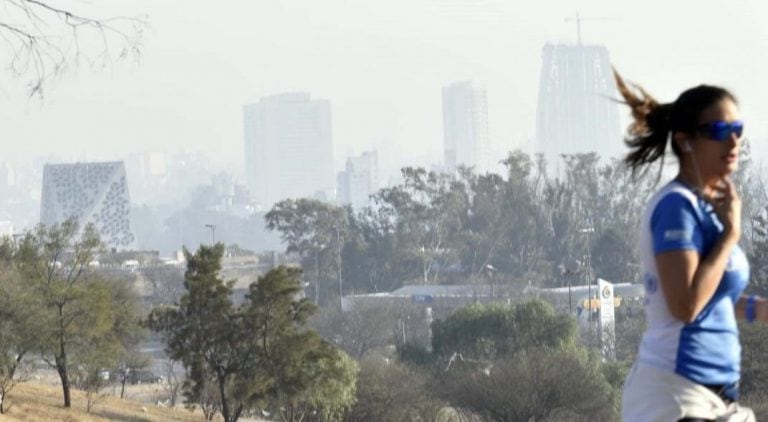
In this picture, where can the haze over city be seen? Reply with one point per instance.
(359, 210)
(380, 64)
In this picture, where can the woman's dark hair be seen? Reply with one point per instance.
(653, 122)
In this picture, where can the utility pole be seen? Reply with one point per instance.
(213, 232)
(338, 256)
(588, 259)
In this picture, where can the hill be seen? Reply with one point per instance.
(37, 402)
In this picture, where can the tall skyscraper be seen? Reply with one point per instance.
(92, 193)
(576, 110)
(465, 126)
(288, 148)
(359, 180)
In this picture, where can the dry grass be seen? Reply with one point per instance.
(37, 402)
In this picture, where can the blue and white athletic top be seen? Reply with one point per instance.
(706, 351)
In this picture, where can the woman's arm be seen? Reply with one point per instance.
(761, 308)
(689, 283)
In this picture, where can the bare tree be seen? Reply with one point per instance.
(535, 385)
(131, 362)
(389, 391)
(360, 330)
(41, 39)
(167, 284)
(173, 383)
(92, 380)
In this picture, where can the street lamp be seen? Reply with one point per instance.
(338, 257)
(588, 256)
(573, 267)
(213, 232)
(318, 248)
(489, 271)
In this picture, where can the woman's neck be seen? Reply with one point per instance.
(696, 182)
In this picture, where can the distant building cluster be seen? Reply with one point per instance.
(359, 180)
(289, 147)
(94, 193)
(228, 194)
(157, 176)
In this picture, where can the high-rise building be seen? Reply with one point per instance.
(576, 110)
(288, 148)
(359, 180)
(465, 126)
(92, 193)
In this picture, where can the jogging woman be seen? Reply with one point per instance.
(688, 363)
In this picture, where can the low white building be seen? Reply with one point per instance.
(6, 229)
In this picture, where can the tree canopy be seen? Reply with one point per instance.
(257, 355)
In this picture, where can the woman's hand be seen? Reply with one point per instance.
(727, 205)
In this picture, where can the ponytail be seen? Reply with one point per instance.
(648, 133)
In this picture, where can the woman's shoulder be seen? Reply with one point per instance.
(672, 196)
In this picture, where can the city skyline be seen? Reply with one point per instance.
(382, 66)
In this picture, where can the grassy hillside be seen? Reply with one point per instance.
(36, 402)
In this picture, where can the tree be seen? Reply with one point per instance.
(91, 377)
(18, 323)
(167, 283)
(41, 39)
(257, 354)
(393, 392)
(489, 331)
(79, 314)
(316, 231)
(613, 256)
(359, 330)
(519, 362)
(451, 228)
(533, 385)
(127, 333)
(373, 259)
(130, 362)
(425, 213)
(516, 226)
(202, 332)
(305, 373)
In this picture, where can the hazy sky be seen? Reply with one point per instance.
(382, 64)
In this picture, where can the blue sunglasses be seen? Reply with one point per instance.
(721, 130)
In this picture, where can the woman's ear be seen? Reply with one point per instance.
(682, 141)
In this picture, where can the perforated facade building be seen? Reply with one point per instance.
(91, 193)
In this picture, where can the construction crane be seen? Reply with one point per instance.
(578, 19)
